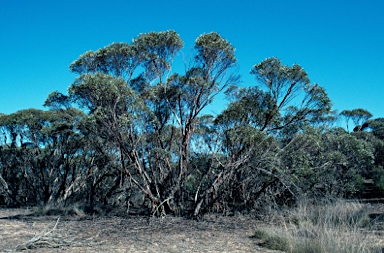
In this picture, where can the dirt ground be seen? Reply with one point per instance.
(21, 231)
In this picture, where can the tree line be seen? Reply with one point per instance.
(131, 133)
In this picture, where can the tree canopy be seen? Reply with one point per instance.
(132, 133)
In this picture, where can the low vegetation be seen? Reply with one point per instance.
(132, 134)
(338, 227)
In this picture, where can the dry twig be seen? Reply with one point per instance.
(47, 239)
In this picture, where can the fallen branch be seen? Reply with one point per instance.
(45, 239)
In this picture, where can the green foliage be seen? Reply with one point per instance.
(250, 106)
(142, 135)
(119, 59)
(214, 53)
(151, 120)
(101, 93)
(57, 100)
(253, 119)
(282, 82)
(358, 117)
(157, 51)
(376, 126)
(274, 106)
(328, 163)
(378, 177)
(37, 167)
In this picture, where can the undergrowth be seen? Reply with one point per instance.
(342, 227)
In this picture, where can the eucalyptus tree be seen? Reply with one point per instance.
(331, 163)
(37, 163)
(294, 99)
(372, 131)
(271, 113)
(9, 164)
(376, 126)
(148, 113)
(358, 117)
(16, 157)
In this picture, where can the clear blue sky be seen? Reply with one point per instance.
(339, 43)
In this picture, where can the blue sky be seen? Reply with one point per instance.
(339, 43)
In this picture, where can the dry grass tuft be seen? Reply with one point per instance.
(338, 227)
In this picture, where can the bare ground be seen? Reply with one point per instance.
(22, 231)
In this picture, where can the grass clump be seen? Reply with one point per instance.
(272, 240)
(341, 227)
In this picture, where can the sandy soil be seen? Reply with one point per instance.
(22, 231)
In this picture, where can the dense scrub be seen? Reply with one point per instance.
(134, 135)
